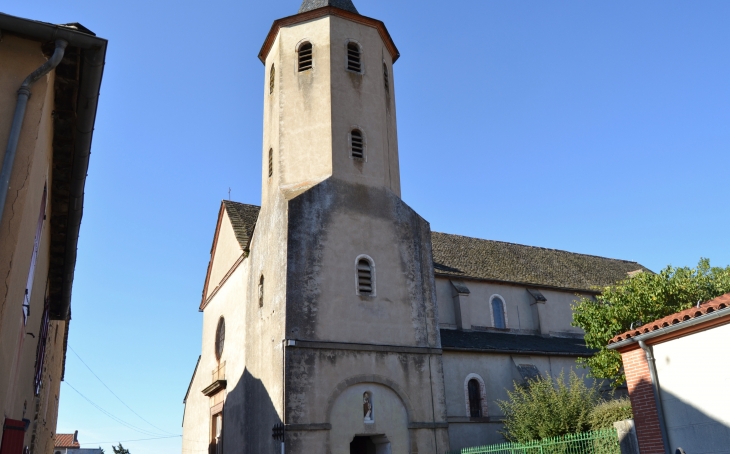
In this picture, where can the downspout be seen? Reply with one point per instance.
(657, 398)
(20, 106)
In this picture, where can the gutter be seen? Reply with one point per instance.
(93, 54)
(657, 395)
(6, 170)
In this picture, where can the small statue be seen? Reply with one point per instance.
(367, 407)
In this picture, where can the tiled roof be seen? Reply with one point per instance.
(243, 219)
(721, 302)
(309, 5)
(456, 255)
(66, 441)
(513, 343)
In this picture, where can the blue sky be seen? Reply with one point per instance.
(595, 127)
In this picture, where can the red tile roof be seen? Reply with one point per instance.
(66, 441)
(721, 302)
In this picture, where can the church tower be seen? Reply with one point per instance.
(345, 266)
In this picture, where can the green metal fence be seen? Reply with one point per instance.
(596, 442)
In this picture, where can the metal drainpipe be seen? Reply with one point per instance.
(20, 106)
(657, 398)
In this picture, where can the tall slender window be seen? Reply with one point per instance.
(271, 162)
(475, 399)
(305, 57)
(272, 79)
(357, 145)
(220, 338)
(34, 258)
(353, 57)
(498, 313)
(386, 78)
(261, 291)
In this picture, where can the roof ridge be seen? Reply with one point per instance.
(541, 247)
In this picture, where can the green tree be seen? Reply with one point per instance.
(120, 449)
(101, 451)
(548, 407)
(640, 299)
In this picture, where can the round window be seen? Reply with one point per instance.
(220, 337)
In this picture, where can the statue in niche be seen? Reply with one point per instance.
(367, 407)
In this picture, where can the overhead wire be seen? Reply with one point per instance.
(128, 441)
(115, 395)
(115, 418)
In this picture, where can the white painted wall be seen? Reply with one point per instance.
(694, 376)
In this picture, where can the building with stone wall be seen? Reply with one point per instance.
(49, 85)
(334, 320)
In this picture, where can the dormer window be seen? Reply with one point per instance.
(357, 144)
(353, 57)
(272, 79)
(305, 56)
(365, 277)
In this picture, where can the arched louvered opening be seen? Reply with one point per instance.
(353, 57)
(271, 162)
(475, 398)
(305, 57)
(365, 277)
(498, 315)
(220, 337)
(272, 79)
(357, 144)
(386, 78)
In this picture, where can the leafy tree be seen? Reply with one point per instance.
(606, 413)
(548, 407)
(640, 299)
(120, 449)
(101, 451)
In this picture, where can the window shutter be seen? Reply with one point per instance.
(353, 57)
(13, 437)
(305, 57)
(357, 144)
(364, 277)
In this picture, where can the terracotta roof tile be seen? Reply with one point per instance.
(66, 441)
(721, 302)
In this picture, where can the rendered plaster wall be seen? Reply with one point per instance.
(32, 168)
(499, 374)
(553, 317)
(226, 251)
(228, 303)
(693, 375)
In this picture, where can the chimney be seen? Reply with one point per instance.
(76, 436)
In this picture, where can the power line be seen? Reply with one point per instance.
(120, 421)
(118, 398)
(129, 441)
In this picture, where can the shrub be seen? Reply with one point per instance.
(608, 412)
(548, 407)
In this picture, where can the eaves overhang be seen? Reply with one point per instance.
(78, 81)
(322, 12)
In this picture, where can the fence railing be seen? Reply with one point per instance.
(596, 442)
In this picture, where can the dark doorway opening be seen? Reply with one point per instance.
(362, 445)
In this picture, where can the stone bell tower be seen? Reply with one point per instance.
(343, 343)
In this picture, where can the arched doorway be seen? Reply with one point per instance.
(370, 444)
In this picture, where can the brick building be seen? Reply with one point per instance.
(667, 364)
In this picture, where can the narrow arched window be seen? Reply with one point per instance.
(271, 162)
(386, 78)
(365, 276)
(305, 57)
(353, 57)
(498, 315)
(272, 79)
(220, 337)
(357, 144)
(261, 291)
(475, 399)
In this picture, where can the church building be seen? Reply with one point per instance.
(334, 320)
